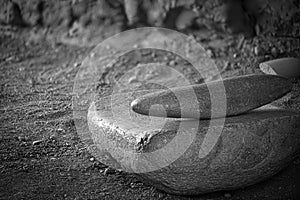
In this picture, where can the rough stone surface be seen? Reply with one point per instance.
(255, 155)
(251, 147)
(243, 93)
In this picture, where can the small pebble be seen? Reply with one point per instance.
(105, 172)
(172, 63)
(241, 43)
(92, 159)
(257, 29)
(153, 55)
(30, 81)
(274, 52)
(214, 36)
(77, 64)
(210, 53)
(185, 19)
(235, 55)
(108, 171)
(132, 185)
(132, 80)
(59, 130)
(37, 142)
(10, 58)
(257, 51)
(52, 137)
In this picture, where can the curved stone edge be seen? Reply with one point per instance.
(262, 149)
(219, 171)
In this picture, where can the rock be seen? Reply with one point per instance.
(53, 137)
(77, 64)
(258, 51)
(60, 130)
(210, 53)
(108, 171)
(243, 93)
(37, 142)
(172, 63)
(76, 30)
(286, 67)
(257, 29)
(153, 55)
(185, 19)
(131, 8)
(250, 148)
(274, 52)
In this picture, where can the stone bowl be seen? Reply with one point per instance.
(190, 157)
(180, 156)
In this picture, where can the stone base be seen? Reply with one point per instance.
(175, 157)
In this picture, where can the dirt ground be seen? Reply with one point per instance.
(41, 154)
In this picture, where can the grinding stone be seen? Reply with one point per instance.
(243, 93)
(251, 147)
(286, 67)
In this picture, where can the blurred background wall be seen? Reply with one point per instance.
(89, 20)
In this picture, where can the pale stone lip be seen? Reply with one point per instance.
(134, 105)
(285, 67)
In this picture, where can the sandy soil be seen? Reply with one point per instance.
(41, 154)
